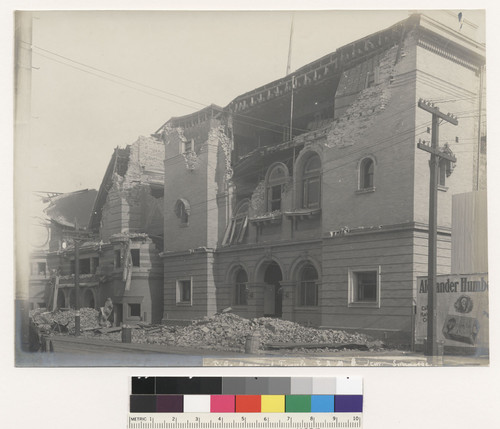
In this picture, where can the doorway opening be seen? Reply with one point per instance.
(273, 296)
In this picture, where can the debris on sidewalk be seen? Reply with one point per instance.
(224, 331)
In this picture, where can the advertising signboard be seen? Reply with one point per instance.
(462, 310)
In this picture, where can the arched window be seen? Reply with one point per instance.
(311, 183)
(366, 170)
(442, 172)
(182, 210)
(276, 178)
(308, 286)
(240, 287)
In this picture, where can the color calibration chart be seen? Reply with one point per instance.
(245, 402)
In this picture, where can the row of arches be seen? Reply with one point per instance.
(304, 280)
(66, 298)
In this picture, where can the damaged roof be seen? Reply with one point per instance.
(321, 76)
(117, 164)
(66, 208)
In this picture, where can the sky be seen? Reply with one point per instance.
(101, 79)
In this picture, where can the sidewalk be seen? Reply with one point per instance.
(79, 351)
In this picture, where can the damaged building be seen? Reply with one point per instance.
(120, 236)
(307, 198)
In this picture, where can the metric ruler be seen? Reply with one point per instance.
(243, 420)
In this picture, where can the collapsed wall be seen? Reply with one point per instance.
(135, 197)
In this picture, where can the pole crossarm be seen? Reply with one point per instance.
(429, 107)
(437, 152)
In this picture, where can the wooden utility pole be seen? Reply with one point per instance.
(77, 236)
(436, 155)
(22, 191)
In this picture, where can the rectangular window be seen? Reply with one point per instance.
(118, 259)
(364, 287)
(370, 79)
(136, 257)
(188, 146)
(442, 172)
(134, 310)
(85, 266)
(308, 293)
(184, 292)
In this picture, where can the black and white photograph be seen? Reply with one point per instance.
(251, 188)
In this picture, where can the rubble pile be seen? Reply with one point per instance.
(221, 332)
(63, 321)
(229, 332)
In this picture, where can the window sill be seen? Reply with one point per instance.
(303, 213)
(267, 218)
(364, 304)
(365, 191)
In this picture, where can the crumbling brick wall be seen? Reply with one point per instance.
(130, 207)
(356, 119)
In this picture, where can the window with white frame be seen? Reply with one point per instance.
(311, 183)
(364, 286)
(308, 286)
(134, 310)
(184, 291)
(240, 287)
(276, 179)
(366, 174)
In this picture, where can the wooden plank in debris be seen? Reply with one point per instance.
(109, 330)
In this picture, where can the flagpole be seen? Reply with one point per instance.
(289, 62)
(288, 67)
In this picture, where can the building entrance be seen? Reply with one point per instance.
(273, 297)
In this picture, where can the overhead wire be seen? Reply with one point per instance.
(351, 154)
(152, 88)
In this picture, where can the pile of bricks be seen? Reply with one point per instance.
(229, 332)
(63, 321)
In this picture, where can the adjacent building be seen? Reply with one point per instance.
(119, 230)
(307, 198)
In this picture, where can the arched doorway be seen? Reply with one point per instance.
(88, 299)
(61, 299)
(273, 297)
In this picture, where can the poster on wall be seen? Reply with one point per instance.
(462, 310)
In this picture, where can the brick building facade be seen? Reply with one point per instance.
(307, 198)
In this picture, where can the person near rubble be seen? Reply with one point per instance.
(106, 314)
